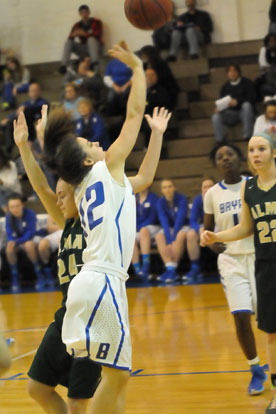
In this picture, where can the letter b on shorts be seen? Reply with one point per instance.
(103, 351)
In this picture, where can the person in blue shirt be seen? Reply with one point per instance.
(172, 211)
(90, 125)
(193, 235)
(21, 230)
(146, 229)
(117, 78)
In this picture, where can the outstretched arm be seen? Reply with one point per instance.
(158, 124)
(241, 231)
(34, 172)
(121, 148)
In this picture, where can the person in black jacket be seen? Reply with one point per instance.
(193, 28)
(240, 97)
(272, 17)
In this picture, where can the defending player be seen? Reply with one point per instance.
(52, 365)
(96, 321)
(222, 207)
(258, 216)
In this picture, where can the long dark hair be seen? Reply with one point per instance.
(62, 153)
(17, 73)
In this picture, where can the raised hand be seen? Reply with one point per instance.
(208, 237)
(159, 120)
(122, 52)
(20, 130)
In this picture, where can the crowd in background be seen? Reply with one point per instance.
(94, 99)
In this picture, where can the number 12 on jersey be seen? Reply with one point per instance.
(88, 216)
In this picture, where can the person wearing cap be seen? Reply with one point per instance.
(267, 121)
(85, 39)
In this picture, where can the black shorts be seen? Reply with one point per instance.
(265, 272)
(52, 365)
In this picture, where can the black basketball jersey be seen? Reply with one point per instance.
(262, 205)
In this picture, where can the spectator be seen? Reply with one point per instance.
(9, 182)
(267, 61)
(90, 125)
(172, 211)
(16, 80)
(47, 246)
(162, 37)
(88, 80)
(88, 31)
(272, 17)
(152, 59)
(196, 228)
(32, 110)
(267, 121)
(72, 100)
(117, 78)
(237, 105)
(192, 28)
(21, 230)
(146, 229)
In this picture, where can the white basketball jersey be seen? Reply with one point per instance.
(107, 211)
(224, 202)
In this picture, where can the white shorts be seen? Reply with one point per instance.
(237, 274)
(54, 239)
(96, 320)
(153, 230)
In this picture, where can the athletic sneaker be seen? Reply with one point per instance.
(10, 341)
(271, 409)
(169, 276)
(193, 276)
(256, 385)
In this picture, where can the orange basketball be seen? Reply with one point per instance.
(148, 14)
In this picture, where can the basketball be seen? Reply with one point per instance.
(148, 14)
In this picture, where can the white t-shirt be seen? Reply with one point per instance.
(224, 202)
(108, 215)
(10, 178)
(262, 124)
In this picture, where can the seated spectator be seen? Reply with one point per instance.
(157, 96)
(272, 17)
(88, 80)
(172, 211)
(48, 245)
(267, 121)
(88, 32)
(192, 28)
(267, 61)
(237, 105)
(32, 110)
(146, 229)
(21, 230)
(9, 182)
(71, 100)
(151, 58)
(90, 125)
(16, 80)
(196, 227)
(117, 78)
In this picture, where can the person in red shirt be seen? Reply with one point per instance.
(84, 39)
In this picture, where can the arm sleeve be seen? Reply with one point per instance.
(108, 81)
(262, 58)
(180, 216)
(97, 29)
(250, 92)
(78, 131)
(164, 222)
(98, 130)
(30, 229)
(207, 25)
(9, 231)
(208, 203)
(76, 26)
(195, 214)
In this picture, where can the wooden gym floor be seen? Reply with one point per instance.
(185, 355)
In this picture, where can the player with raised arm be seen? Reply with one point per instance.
(222, 208)
(258, 216)
(52, 365)
(96, 321)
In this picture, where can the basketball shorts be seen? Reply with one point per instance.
(153, 230)
(96, 320)
(266, 295)
(237, 273)
(52, 365)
